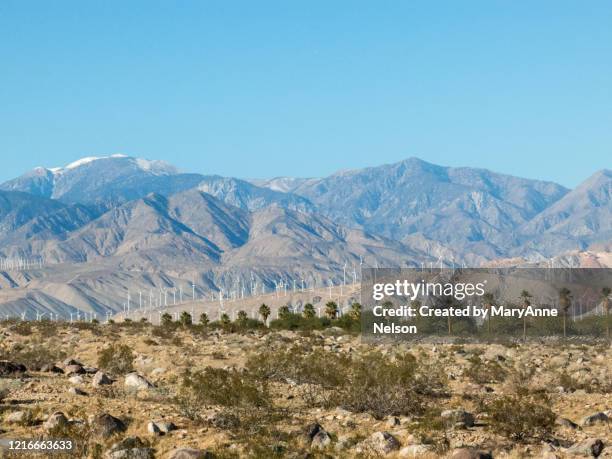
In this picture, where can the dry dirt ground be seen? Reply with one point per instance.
(575, 378)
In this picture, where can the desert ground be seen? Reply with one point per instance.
(134, 390)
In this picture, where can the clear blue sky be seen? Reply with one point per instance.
(260, 89)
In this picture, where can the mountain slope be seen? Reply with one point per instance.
(470, 210)
(581, 218)
(116, 179)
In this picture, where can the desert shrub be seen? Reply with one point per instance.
(520, 417)
(34, 356)
(116, 359)
(383, 387)
(370, 383)
(23, 328)
(485, 371)
(245, 403)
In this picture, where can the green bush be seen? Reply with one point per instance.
(520, 417)
(117, 359)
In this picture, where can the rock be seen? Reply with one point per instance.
(57, 419)
(90, 370)
(70, 361)
(134, 380)
(591, 447)
(316, 436)
(76, 379)
(460, 418)
(76, 391)
(11, 369)
(153, 429)
(564, 422)
(104, 425)
(311, 430)
(132, 453)
(413, 451)
(470, 453)
(321, 440)
(74, 370)
(50, 368)
(130, 448)
(380, 443)
(101, 379)
(393, 422)
(16, 417)
(595, 419)
(189, 453)
(165, 426)
(158, 371)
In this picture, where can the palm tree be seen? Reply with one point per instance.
(225, 320)
(605, 300)
(204, 319)
(264, 312)
(565, 301)
(355, 311)
(488, 300)
(242, 318)
(331, 309)
(309, 311)
(525, 295)
(185, 318)
(284, 312)
(166, 319)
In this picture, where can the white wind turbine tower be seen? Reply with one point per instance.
(331, 284)
(193, 290)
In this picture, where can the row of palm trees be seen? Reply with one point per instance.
(565, 302)
(331, 311)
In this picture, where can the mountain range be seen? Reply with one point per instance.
(116, 223)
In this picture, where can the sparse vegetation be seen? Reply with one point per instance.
(116, 359)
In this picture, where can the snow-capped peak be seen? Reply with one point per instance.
(151, 166)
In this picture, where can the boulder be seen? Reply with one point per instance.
(101, 379)
(76, 379)
(591, 447)
(413, 451)
(132, 453)
(564, 422)
(460, 418)
(321, 440)
(51, 368)
(74, 370)
(189, 453)
(135, 381)
(104, 425)
(57, 419)
(17, 417)
(470, 453)
(130, 448)
(379, 443)
(76, 391)
(11, 369)
(595, 418)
